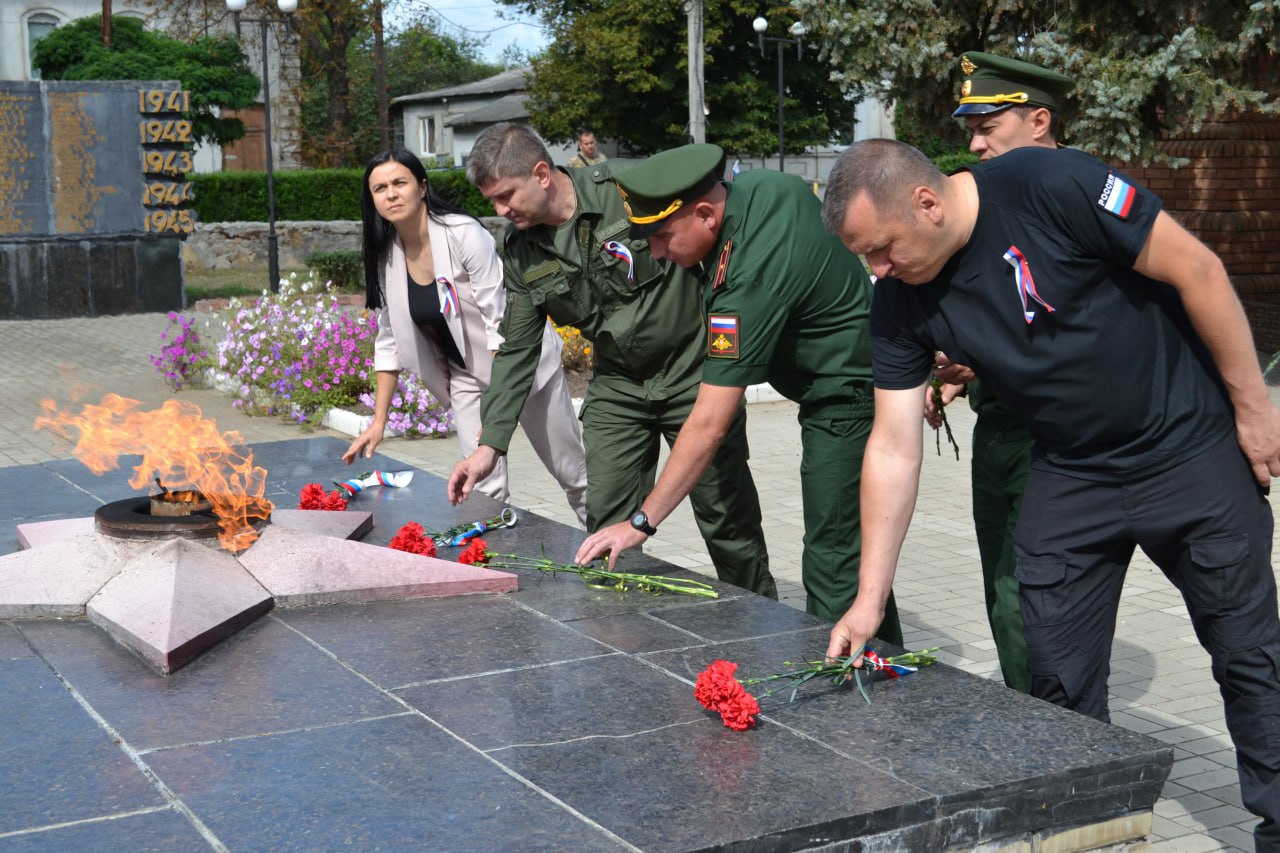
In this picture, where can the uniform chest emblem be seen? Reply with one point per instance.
(622, 253)
(1117, 196)
(722, 265)
(1026, 284)
(722, 336)
(448, 297)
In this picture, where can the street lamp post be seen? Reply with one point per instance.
(760, 25)
(286, 7)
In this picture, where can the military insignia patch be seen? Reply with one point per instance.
(722, 265)
(722, 336)
(966, 88)
(967, 66)
(1117, 196)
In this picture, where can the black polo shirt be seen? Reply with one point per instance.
(1042, 302)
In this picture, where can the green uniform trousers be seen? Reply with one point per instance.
(621, 432)
(1001, 458)
(833, 440)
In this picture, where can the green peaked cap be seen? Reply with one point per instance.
(656, 188)
(993, 83)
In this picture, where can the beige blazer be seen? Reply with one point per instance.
(464, 254)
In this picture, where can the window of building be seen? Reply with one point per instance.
(427, 135)
(39, 25)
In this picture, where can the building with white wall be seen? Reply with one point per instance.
(24, 22)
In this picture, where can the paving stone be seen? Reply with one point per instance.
(61, 766)
(392, 783)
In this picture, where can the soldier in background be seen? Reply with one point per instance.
(588, 150)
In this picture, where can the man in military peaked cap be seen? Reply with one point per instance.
(786, 304)
(1008, 103)
(993, 83)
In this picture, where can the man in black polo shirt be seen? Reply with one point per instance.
(1117, 337)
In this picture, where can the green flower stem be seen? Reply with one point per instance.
(839, 670)
(935, 388)
(603, 578)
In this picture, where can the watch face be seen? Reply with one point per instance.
(639, 520)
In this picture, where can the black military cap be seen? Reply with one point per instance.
(993, 83)
(661, 185)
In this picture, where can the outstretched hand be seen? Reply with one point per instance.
(611, 540)
(469, 472)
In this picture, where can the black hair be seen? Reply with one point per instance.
(378, 232)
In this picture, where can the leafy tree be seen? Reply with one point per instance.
(329, 29)
(1144, 68)
(418, 58)
(212, 68)
(621, 68)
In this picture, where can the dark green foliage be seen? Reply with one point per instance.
(419, 58)
(344, 269)
(318, 194)
(948, 163)
(1143, 68)
(621, 68)
(212, 68)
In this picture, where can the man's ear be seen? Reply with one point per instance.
(542, 173)
(1041, 120)
(705, 211)
(927, 202)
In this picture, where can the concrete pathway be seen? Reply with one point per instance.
(1160, 682)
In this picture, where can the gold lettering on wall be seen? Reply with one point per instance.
(76, 190)
(15, 158)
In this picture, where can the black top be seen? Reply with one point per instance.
(424, 308)
(1107, 370)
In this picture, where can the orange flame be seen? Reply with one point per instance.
(177, 444)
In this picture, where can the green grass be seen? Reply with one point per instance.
(215, 284)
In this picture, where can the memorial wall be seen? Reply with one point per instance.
(92, 197)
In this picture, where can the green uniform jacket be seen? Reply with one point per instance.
(788, 304)
(643, 317)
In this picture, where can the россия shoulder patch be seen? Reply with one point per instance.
(1117, 196)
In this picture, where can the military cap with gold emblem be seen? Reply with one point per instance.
(666, 182)
(993, 83)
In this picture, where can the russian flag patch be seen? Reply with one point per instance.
(1117, 196)
(722, 336)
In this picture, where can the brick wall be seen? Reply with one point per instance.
(1228, 195)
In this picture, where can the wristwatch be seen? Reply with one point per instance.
(640, 521)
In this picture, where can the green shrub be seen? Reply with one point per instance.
(951, 161)
(343, 269)
(310, 194)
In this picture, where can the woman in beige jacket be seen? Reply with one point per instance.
(433, 274)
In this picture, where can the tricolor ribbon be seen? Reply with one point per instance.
(391, 479)
(613, 247)
(506, 519)
(1026, 283)
(893, 670)
(448, 302)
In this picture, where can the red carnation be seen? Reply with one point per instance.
(313, 496)
(474, 554)
(717, 690)
(413, 539)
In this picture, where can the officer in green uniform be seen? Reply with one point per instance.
(786, 304)
(568, 257)
(1006, 104)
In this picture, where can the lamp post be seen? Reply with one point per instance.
(286, 7)
(796, 30)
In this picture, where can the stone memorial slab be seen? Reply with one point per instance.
(302, 569)
(555, 716)
(176, 598)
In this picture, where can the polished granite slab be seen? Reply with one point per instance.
(555, 717)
